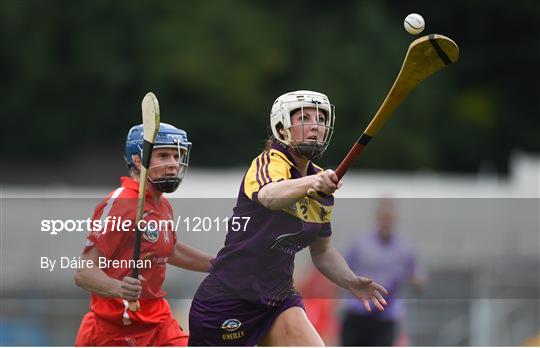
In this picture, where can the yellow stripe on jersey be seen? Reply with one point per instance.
(311, 210)
(281, 155)
(270, 166)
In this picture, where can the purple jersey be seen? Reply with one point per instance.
(257, 261)
(390, 264)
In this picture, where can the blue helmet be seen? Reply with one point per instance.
(167, 136)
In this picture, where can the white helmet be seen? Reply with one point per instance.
(280, 118)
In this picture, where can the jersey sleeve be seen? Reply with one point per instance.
(106, 232)
(266, 168)
(326, 230)
(170, 213)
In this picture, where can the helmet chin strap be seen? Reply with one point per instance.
(308, 150)
(168, 184)
(165, 184)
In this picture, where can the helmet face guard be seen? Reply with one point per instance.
(167, 137)
(280, 118)
(169, 183)
(310, 148)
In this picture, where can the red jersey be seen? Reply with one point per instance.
(115, 239)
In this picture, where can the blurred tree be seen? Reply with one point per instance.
(74, 73)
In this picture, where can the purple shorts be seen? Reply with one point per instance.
(233, 322)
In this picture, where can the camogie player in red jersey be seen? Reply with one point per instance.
(110, 250)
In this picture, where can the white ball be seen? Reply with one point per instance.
(414, 23)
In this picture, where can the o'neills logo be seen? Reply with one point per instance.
(232, 336)
(231, 324)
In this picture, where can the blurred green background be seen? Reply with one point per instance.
(73, 75)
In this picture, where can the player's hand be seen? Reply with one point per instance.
(130, 288)
(366, 290)
(326, 182)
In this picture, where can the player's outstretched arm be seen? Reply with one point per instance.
(190, 258)
(283, 194)
(333, 266)
(95, 280)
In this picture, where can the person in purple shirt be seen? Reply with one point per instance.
(249, 298)
(390, 259)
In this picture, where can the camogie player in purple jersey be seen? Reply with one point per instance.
(249, 298)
